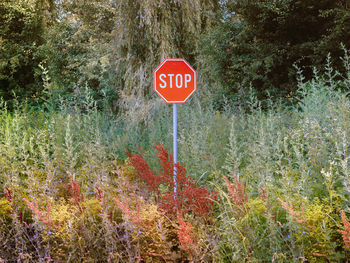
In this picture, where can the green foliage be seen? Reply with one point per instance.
(293, 163)
(147, 33)
(21, 32)
(5, 207)
(263, 231)
(258, 42)
(79, 51)
(319, 239)
(112, 46)
(109, 46)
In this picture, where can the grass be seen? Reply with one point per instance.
(292, 164)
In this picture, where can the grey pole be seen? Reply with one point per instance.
(175, 145)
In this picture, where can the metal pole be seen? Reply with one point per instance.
(175, 144)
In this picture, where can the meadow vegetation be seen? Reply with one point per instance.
(255, 184)
(86, 170)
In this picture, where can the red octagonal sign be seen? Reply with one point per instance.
(175, 80)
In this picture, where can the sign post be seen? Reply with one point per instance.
(175, 143)
(175, 81)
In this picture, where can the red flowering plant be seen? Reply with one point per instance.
(100, 196)
(238, 196)
(185, 234)
(346, 232)
(9, 197)
(43, 216)
(74, 190)
(189, 197)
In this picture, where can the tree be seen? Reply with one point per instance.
(148, 32)
(258, 42)
(79, 49)
(21, 34)
(110, 45)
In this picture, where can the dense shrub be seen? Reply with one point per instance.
(189, 197)
(258, 42)
(285, 197)
(21, 34)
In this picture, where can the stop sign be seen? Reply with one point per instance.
(175, 80)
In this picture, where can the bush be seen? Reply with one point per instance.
(258, 43)
(21, 33)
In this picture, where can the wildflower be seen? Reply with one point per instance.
(326, 174)
(44, 216)
(25, 223)
(74, 189)
(288, 236)
(190, 197)
(134, 216)
(9, 195)
(185, 234)
(98, 194)
(238, 195)
(346, 231)
(298, 216)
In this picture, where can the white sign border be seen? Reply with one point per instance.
(174, 59)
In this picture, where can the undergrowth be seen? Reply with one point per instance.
(70, 193)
